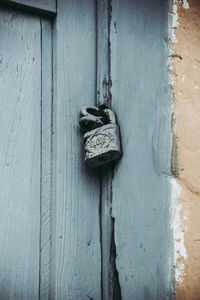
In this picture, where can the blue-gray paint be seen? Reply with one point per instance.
(64, 226)
(46, 213)
(103, 97)
(20, 123)
(141, 188)
(47, 7)
(103, 66)
(76, 231)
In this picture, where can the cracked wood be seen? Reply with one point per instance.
(141, 187)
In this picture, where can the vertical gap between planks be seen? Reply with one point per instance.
(51, 163)
(46, 160)
(39, 291)
(97, 101)
(101, 79)
(53, 152)
(100, 231)
(109, 52)
(115, 288)
(110, 288)
(51, 157)
(102, 86)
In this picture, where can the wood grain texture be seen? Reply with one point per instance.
(20, 81)
(103, 76)
(103, 97)
(108, 278)
(76, 233)
(141, 188)
(46, 161)
(108, 282)
(45, 6)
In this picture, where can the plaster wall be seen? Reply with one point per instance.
(185, 60)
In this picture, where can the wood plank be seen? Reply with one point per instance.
(103, 67)
(20, 83)
(108, 282)
(141, 188)
(46, 163)
(43, 6)
(76, 237)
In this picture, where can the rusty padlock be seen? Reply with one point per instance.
(101, 135)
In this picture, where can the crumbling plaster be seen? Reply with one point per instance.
(185, 70)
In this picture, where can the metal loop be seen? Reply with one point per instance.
(90, 118)
(94, 117)
(111, 115)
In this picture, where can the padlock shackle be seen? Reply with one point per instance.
(93, 117)
(90, 111)
(111, 116)
(90, 118)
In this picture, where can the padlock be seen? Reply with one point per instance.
(101, 136)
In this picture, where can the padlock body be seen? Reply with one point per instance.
(102, 145)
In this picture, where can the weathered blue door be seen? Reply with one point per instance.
(66, 231)
(25, 147)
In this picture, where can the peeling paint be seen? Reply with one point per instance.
(185, 72)
(178, 230)
(186, 4)
(173, 21)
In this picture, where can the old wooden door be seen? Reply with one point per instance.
(66, 231)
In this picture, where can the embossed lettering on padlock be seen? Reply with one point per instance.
(101, 135)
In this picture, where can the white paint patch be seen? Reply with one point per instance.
(173, 15)
(178, 231)
(177, 225)
(196, 87)
(178, 272)
(180, 250)
(186, 4)
(173, 24)
(174, 122)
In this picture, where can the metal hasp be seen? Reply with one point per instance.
(101, 135)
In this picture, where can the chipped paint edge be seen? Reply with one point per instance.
(179, 249)
(180, 252)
